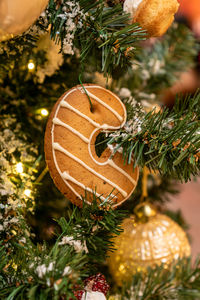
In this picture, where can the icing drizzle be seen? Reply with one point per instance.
(76, 111)
(72, 179)
(67, 105)
(109, 162)
(56, 146)
(59, 122)
(106, 105)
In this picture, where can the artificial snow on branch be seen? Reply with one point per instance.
(167, 141)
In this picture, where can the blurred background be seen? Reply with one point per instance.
(188, 200)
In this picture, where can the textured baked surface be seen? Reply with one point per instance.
(156, 16)
(70, 150)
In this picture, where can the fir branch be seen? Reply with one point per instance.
(96, 227)
(167, 141)
(3, 263)
(12, 50)
(98, 29)
(166, 59)
(181, 281)
(159, 63)
(41, 271)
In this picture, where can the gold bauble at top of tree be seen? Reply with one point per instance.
(16, 16)
(149, 239)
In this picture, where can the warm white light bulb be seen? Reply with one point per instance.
(27, 192)
(19, 168)
(44, 112)
(31, 65)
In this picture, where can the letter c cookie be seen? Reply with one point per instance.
(70, 146)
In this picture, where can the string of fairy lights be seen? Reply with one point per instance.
(43, 112)
(31, 65)
(19, 168)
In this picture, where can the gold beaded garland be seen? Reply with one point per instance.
(149, 239)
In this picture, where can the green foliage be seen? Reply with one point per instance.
(38, 271)
(3, 263)
(104, 31)
(96, 226)
(102, 40)
(167, 141)
(160, 64)
(181, 281)
(12, 50)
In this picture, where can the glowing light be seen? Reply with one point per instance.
(44, 112)
(31, 65)
(19, 168)
(27, 192)
(14, 232)
(14, 266)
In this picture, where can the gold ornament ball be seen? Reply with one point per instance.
(115, 297)
(16, 16)
(149, 240)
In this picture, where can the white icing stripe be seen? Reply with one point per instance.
(111, 163)
(95, 124)
(67, 105)
(75, 192)
(66, 176)
(66, 182)
(56, 146)
(59, 122)
(72, 189)
(105, 105)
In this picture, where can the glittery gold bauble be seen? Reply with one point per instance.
(115, 297)
(149, 239)
(16, 16)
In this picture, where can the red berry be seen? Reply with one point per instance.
(78, 294)
(97, 283)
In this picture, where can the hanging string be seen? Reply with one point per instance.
(91, 106)
(144, 184)
(41, 176)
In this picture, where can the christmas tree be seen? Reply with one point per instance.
(85, 179)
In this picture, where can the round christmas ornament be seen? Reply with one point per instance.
(155, 16)
(149, 239)
(16, 16)
(70, 152)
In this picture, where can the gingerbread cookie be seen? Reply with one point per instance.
(70, 146)
(155, 16)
